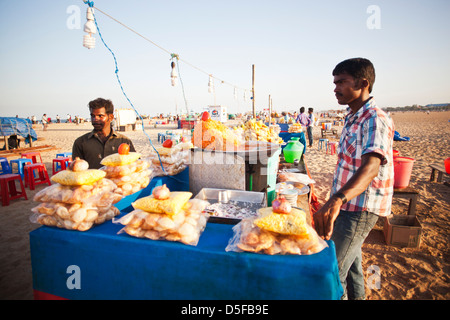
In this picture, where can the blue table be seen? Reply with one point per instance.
(101, 264)
(113, 266)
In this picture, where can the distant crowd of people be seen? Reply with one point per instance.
(45, 121)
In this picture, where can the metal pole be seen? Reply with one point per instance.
(253, 91)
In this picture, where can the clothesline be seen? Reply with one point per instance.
(167, 51)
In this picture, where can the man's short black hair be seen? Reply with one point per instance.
(358, 68)
(102, 103)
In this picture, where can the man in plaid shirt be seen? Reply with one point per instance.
(364, 177)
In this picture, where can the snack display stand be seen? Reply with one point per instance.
(115, 266)
(104, 263)
(118, 266)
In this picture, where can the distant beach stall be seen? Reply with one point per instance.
(10, 126)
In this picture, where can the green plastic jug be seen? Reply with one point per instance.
(293, 150)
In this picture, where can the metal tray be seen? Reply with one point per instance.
(243, 199)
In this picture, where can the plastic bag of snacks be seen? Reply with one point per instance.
(211, 134)
(76, 207)
(293, 223)
(171, 206)
(71, 178)
(253, 130)
(186, 226)
(126, 170)
(295, 128)
(117, 159)
(101, 192)
(174, 158)
(129, 178)
(292, 235)
(72, 216)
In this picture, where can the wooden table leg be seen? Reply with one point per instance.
(412, 205)
(432, 176)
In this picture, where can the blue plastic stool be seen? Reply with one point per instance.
(321, 142)
(166, 136)
(64, 154)
(20, 165)
(6, 168)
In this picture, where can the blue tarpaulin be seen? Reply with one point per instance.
(17, 126)
(398, 137)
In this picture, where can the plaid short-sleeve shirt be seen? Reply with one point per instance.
(368, 130)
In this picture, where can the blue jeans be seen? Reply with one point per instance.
(310, 135)
(350, 231)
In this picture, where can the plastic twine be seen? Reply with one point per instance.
(91, 4)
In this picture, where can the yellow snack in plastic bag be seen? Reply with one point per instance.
(293, 223)
(120, 159)
(173, 205)
(72, 178)
(163, 151)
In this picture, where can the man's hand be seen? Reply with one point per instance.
(325, 217)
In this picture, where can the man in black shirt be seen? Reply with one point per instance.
(103, 140)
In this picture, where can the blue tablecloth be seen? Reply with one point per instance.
(118, 266)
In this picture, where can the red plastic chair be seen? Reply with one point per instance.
(60, 163)
(9, 190)
(32, 155)
(31, 180)
(332, 146)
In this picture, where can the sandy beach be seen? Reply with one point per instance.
(405, 273)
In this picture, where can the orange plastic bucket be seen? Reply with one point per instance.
(402, 171)
(447, 165)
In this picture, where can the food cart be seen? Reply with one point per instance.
(103, 263)
(254, 168)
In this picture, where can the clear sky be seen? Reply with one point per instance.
(293, 44)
